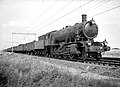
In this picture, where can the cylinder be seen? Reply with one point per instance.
(84, 18)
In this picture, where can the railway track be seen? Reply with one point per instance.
(109, 61)
(104, 61)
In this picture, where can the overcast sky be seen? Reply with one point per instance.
(42, 16)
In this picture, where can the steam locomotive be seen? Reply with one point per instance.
(75, 41)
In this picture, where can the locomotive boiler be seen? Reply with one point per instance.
(87, 30)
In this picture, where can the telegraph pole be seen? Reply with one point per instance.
(22, 34)
(12, 42)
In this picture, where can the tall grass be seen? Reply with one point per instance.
(33, 73)
(11, 77)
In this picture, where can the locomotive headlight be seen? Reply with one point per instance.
(106, 43)
(101, 48)
(89, 43)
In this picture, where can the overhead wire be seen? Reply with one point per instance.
(102, 2)
(57, 12)
(99, 4)
(93, 7)
(44, 12)
(105, 11)
(64, 15)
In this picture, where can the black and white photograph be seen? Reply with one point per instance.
(59, 43)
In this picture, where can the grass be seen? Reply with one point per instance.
(36, 73)
(112, 53)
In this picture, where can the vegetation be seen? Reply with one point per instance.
(114, 52)
(28, 73)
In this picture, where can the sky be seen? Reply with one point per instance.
(42, 16)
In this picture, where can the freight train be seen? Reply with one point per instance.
(71, 42)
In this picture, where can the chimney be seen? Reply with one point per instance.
(84, 17)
